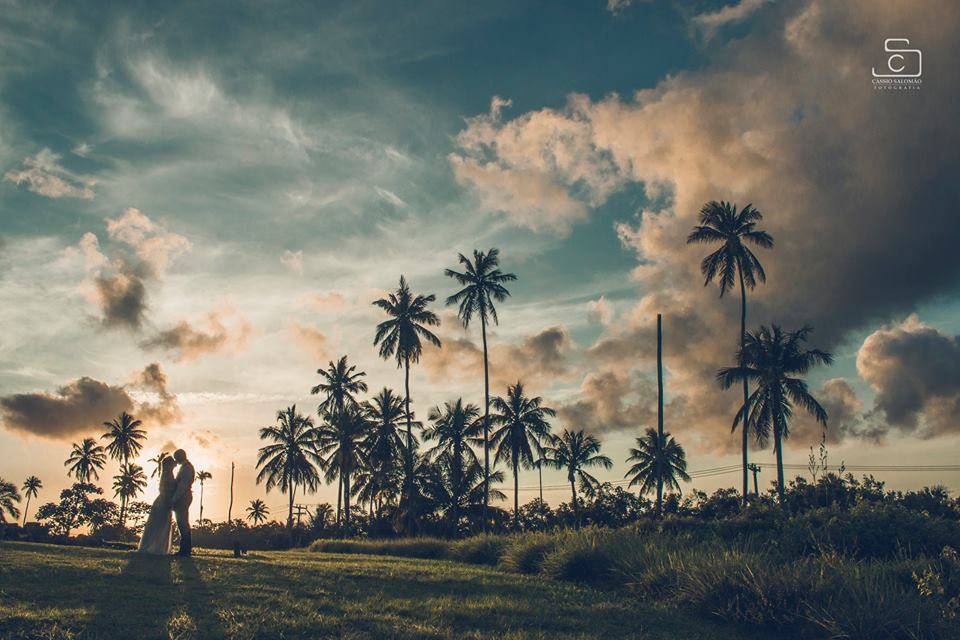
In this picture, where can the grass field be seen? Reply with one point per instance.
(67, 592)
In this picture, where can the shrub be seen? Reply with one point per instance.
(525, 553)
(482, 549)
(583, 556)
(429, 548)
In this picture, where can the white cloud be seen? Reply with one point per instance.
(293, 260)
(43, 175)
(709, 23)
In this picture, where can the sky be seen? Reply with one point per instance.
(199, 202)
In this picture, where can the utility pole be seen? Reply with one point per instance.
(230, 507)
(755, 468)
(301, 509)
(659, 410)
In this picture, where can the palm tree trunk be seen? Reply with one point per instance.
(345, 473)
(540, 473)
(339, 497)
(486, 423)
(201, 504)
(576, 506)
(777, 444)
(290, 515)
(408, 480)
(745, 430)
(457, 488)
(516, 496)
(659, 411)
(26, 510)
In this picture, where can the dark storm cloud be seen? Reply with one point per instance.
(81, 406)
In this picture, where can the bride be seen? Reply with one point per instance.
(157, 538)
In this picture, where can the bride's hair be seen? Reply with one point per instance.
(166, 467)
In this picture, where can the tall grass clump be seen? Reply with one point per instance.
(526, 552)
(428, 548)
(481, 549)
(582, 556)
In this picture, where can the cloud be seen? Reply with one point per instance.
(915, 371)
(81, 406)
(218, 332)
(325, 302)
(293, 260)
(709, 23)
(537, 360)
(611, 401)
(43, 175)
(118, 283)
(313, 341)
(599, 311)
(763, 123)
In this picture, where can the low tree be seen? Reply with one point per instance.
(257, 512)
(659, 462)
(575, 451)
(74, 509)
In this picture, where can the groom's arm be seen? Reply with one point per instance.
(184, 482)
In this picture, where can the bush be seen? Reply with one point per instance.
(525, 552)
(429, 548)
(583, 556)
(482, 549)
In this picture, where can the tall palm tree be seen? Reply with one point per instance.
(446, 495)
(454, 426)
(340, 438)
(774, 360)
(128, 484)
(9, 499)
(523, 424)
(202, 476)
(383, 444)
(340, 384)
(292, 459)
(257, 512)
(31, 487)
(125, 437)
(659, 461)
(86, 459)
(482, 283)
(157, 462)
(576, 451)
(401, 337)
(721, 223)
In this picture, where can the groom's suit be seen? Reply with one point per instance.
(182, 497)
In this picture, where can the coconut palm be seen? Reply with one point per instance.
(383, 446)
(482, 283)
(157, 462)
(86, 459)
(125, 437)
(9, 499)
(447, 496)
(575, 451)
(523, 424)
(721, 223)
(341, 382)
(339, 438)
(128, 484)
(454, 426)
(401, 337)
(202, 476)
(257, 512)
(774, 360)
(31, 487)
(659, 462)
(292, 459)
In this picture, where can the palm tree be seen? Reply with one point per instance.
(292, 460)
(85, 460)
(447, 495)
(340, 385)
(400, 337)
(128, 484)
(774, 360)
(576, 451)
(523, 424)
(125, 437)
(720, 222)
(157, 462)
(482, 283)
(660, 461)
(9, 499)
(383, 444)
(454, 426)
(257, 512)
(31, 487)
(339, 438)
(202, 476)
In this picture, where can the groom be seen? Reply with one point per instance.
(182, 497)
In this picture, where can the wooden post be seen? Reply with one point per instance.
(659, 409)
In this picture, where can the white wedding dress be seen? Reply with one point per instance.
(157, 538)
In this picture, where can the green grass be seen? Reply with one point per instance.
(68, 592)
